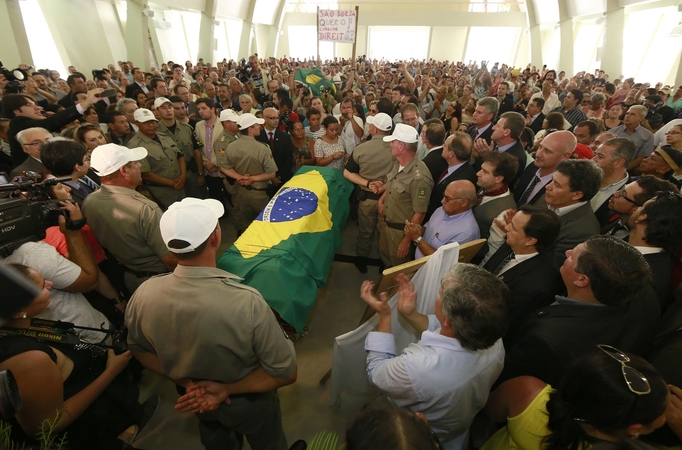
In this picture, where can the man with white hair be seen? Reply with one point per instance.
(124, 221)
(237, 344)
(633, 130)
(31, 139)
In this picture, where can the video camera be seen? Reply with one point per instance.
(244, 71)
(25, 218)
(15, 79)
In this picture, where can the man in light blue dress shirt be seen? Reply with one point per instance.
(452, 222)
(447, 375)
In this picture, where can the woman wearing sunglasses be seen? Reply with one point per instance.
(605, 396)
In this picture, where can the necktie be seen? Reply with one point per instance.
(442, 175)
(475, 135)
(524, 198)
(272, 139)
(504, 262)
(89, 183)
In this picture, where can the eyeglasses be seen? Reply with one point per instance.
(636, 382)
(449, 199)
(672, 132)
(35, 143)
(620, 193)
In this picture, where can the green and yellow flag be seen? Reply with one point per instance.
(287, 252)
(314, 79)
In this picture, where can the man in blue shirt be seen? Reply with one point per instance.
(452, 222)
(447, 375)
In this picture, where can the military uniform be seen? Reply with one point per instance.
(215, 340)
(187, 142)
(162, 159)
(372, 161)
(407, 192)
(247, 155)
(220, 152)
(126, 223)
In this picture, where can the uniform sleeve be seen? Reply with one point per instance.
(421, 193)
(269, 164)
(275, 352)
(136, 339)
(150, 216)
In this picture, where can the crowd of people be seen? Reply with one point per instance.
(548, 338)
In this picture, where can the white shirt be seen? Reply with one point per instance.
(436, 376)
(551, 103)
(64, 306)
(516, 260)
(649, 250)
(566, 209)
(348, 136)
(604, 194)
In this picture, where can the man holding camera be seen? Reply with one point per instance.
(352, 128)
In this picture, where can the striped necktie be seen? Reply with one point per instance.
(524, 198)
(503, 263)
(89, 183)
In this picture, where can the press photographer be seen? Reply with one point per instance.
(57, 372)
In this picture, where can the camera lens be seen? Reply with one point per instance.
(10, 401)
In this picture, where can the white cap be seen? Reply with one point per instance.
(191, 220)
(143, 115)
(403, 133)
(382, 121)
(246, 120)
(108, 158)
(160, 101)
(228, 114)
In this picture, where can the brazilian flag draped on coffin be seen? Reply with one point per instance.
(287, 252)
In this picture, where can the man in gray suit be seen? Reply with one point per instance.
(573, 185)
(497, 171)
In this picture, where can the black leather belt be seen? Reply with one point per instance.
(394, 225)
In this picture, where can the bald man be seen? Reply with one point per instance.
(452, 222)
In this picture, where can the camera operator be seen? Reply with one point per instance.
(70, 277)
(24, 113)
(81, 383)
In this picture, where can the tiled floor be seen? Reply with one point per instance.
(305, 404)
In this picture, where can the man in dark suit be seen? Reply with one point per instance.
(482, 119)
(505, 137)
(573, 185)
(625, 201)
(65, 158)
(76, 83)
(497, 171)
(534, 115)
(31, 140)
(138, 84)
(505, 99)
(524, 263)
(655, 231)
(456, 151)
(433, 134)
(608, 301)
(613, 156)
(280, 145)
(557, 147)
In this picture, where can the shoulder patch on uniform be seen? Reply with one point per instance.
(417, 173)
(421, 193)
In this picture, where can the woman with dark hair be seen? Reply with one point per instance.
(606, 395)
(553, 122)
(140, 97)
(390, 429)
(329, 149)
(452, 116)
